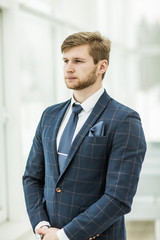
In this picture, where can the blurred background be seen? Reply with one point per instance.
(31, 78)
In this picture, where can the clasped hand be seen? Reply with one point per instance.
(48, 233)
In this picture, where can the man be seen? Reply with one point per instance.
(83, 168)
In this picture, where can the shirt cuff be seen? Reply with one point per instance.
(41, 224)
(61, 235)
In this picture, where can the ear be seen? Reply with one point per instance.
(103, 65)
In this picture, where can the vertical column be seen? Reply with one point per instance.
(12, 107)
(3, 207)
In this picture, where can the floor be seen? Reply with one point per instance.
(140, 230)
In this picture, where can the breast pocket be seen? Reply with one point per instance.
(93, 148)
(92, 154)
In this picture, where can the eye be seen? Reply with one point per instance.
(66, 60)
(78, 61)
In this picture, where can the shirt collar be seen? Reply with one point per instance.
(90, 102)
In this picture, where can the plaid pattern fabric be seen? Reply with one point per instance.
(91, 196)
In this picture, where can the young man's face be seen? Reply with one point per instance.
(79, 69)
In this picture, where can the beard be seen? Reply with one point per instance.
(88, 81)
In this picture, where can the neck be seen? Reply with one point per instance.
(81, 95)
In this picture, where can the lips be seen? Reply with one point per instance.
(70, 78)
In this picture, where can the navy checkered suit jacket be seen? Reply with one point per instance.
(91, 196)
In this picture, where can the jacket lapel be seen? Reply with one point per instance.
(93, 117)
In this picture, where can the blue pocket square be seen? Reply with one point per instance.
(97, 130)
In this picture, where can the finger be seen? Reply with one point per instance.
(41, 231)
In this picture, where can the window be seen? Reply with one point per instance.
(135, 60)
(149, 77)
(3, 207)
(36, 73)
(146, 30)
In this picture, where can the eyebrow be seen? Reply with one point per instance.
(75, 58)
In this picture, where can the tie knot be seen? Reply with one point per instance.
(76, 108)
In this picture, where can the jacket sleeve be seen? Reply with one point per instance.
(33, 181)
(125, 161)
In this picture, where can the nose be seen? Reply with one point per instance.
(70, 67)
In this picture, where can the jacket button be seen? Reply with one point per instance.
(58, 190)
(97, 235)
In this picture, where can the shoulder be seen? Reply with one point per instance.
(53, 111)
(121, 111)
(115, 109)
(55, 108)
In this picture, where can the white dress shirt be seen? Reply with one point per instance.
(87, 106)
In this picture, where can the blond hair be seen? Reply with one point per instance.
(99, 46)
